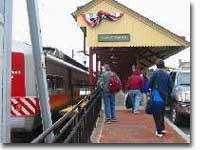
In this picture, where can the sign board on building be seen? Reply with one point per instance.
(113, 37)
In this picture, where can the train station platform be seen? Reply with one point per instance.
(138, 128)
(135, 129)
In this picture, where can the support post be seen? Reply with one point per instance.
(7, 42)
(1, 67)
(101, 66)
(97, 71)
(36, 39)
(97, 63)
(91, 77)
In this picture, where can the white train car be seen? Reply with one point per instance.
(63, 73)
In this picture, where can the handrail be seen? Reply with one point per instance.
(58, 123)
(73, 132)
(64, 128)
(81, 132)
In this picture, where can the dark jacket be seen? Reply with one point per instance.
(161, 81)
(145, 88)
(135, 81)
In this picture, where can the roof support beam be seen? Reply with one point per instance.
(91, 77)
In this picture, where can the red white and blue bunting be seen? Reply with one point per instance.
(94, 19)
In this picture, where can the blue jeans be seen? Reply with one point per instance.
(135, 98)
(109, 105)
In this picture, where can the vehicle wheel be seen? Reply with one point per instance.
(175, 116)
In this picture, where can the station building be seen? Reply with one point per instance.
(120, 37)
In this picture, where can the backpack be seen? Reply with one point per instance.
(114, 84)
(157, 101)
(128, 101)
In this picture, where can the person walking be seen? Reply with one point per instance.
(134, 85)
(161, 82)
(145, 90)
(108, 96)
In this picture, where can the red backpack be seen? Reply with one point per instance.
(115, 84)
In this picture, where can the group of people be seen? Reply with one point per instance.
(138, 87)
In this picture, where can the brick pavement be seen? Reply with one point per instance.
(139, 129)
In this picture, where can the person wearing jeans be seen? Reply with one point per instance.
(109, 105)
(135, 98)
(108, 96)
(134, 85)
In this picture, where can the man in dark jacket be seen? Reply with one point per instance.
(161, 81)
(134, 85)
(108, 97)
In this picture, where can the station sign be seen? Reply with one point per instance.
(113, 37)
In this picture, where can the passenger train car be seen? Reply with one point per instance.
(65, 76)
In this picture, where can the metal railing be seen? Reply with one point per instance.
(75, 126)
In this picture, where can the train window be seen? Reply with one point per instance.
(59, 85)
(55, 85)
(50, 84)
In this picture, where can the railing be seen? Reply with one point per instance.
(75, 126)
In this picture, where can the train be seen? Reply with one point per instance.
(65, 78)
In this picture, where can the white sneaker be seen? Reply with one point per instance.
(136, 112)
(159, 135)
(164, 131)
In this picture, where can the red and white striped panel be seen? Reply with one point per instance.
(24, 106)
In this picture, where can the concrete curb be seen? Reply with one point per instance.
(179, 131)
(97, 132)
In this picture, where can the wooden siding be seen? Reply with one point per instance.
(141, 33)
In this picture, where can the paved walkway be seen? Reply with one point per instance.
(138, 128)
(132, 128)
(120, 100)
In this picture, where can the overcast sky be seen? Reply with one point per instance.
(60, 30)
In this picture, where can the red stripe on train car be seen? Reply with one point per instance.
(24, 106)
(29, 106)
(18, 74)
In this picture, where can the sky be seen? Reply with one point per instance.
(59, 29)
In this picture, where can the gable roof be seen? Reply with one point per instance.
(140, 17)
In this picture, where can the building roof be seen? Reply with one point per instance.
(114, 3)
(149, 41)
